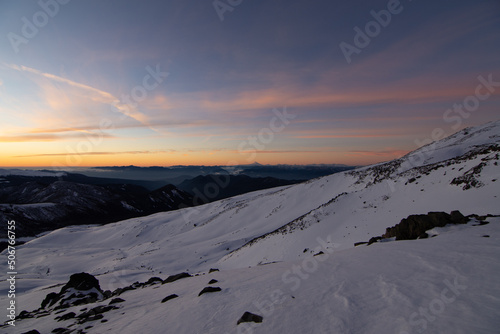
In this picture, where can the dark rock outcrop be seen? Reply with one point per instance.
(415, 226)
(82, 288)
(82, 282)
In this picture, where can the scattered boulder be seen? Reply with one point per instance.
(319, 253)
(174, 278)
(166, 299)
(212, 270)
(107, 294)
(481, 220)
(415, 225)
(209, 289)
(213, 281)
(250, 317)
(360, 243)
(33, 331)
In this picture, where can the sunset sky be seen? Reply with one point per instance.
(85, 83)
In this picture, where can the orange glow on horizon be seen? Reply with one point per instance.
(205, 158)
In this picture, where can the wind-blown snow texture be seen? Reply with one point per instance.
(446, 284)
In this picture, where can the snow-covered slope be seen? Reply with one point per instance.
(447, 284)
(289, 225)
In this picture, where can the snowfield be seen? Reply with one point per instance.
(288, 255)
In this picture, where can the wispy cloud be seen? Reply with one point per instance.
(89, 92)
(46, 137)
(92, 153)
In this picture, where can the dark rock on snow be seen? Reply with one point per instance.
(95, 313)
(174, 278)
(373, 240)
(62, 331)
(116, 300)
(66, 316)
(415, 225)
(154, 280)
(50, 299)
(76, 292)
(360, 243)
(209, 289)
(166, 299)
(250, 317)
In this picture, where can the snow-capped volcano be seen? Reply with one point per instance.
(315, 280)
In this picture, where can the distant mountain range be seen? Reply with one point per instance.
(155, 177)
